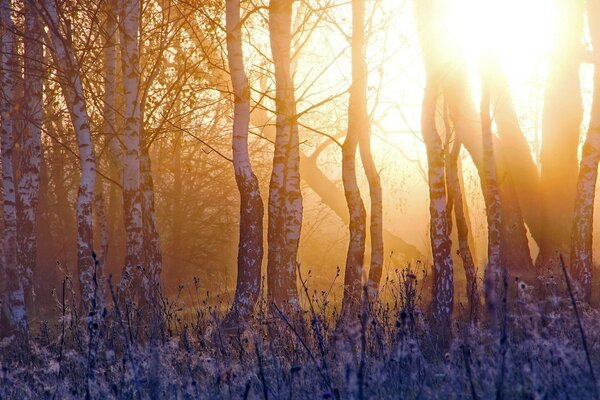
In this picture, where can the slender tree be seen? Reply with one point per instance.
(583, 221)
(129, 26)
(492, 199)
(250, 247)
(285, 197)
(14, 316)
(31, 148)
(443, 280)
(357, 124)
(70, 81)
(457, 203)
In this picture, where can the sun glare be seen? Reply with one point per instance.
(518, 32)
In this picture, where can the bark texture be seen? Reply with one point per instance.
(14, 316)
(583, 221)
(132, 197)
(70, 81)
(357, 125)
(250, 246)
(31, 150)
(285, 197)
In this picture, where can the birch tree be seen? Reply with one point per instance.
(14, 317)
(132, 199)
(492, 199)
(250, 247)
(583, 221)
(456, 203)
(70, 81)
(285, 197)
(31, 148)
(443, 281)
(357, 123)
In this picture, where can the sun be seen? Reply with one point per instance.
(518, 32)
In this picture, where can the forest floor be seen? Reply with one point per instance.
(391, 351)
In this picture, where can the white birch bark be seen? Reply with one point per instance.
(31, 150)
(443, 280)
(132, 199)
(70, 81)
(285, 198)
(250, 247)
(14, 317)
(152, 248)
(357, 125)
(583, 221)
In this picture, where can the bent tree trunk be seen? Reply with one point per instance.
(462, 228)
(13, 316)
(70, 81)
(583, 221)
(285, 197)
(357, 123)
(31, 150)
(250, 246)
(443, 281)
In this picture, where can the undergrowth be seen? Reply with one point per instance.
(389, 352)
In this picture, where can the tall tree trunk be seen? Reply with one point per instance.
(562, 115)
(109, 122)
(132, 197)
(285, 197)
(70, 81)
(443, 279)
(441, 245)
(333, 198)
(455, 198)
(583, 221)
(152, 248)
(31, 151)
(366, 156)
(14, 316)
(250, 247)
(357, 124)
(492, 200)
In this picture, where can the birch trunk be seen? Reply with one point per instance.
(70, 81)
(441, 245)
(14, 316)
(285, 197)
(583, 221)
(443, 280)
(357, 124)
(360, 80)
(492, 202)
(462, 228)
(152, 249)
(109, 122)
(31, 150)
(250, 247)
(132, 197)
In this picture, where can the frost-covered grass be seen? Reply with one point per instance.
(390, 352)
